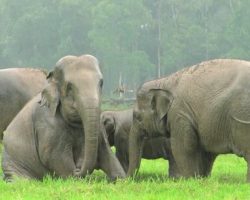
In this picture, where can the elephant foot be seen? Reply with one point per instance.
(247, 158)
(8, 178)
(114, 179)
(77, 173)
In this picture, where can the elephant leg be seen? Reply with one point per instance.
(207, 163)
(8, 169)
(248, 171)
(186, 150)
(79, 162)
(247, 158)
(188, 163)
(172, 169)
(63, 165)
(122, 153)
(12, 170)
(123, 158)
(108, 162)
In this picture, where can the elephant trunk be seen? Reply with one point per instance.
(90, 115)
(135, 150)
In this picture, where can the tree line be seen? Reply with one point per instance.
(139, 40)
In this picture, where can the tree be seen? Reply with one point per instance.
(128, 37)
(115, 36)
(38, 33)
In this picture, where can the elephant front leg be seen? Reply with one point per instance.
(79, 161)
(12, 170)
(247, 158)
(186, 150)
(62, 163)
(207, 161)
(122, 153)
(173, 171)
(248, 172)
(123, 159)
(108, 162)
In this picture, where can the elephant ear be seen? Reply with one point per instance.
(161, 102)
(109, 124)
(50, 95)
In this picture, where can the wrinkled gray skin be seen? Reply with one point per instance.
(18, 86)
(117, 126)
(205, 109)
(58, 131)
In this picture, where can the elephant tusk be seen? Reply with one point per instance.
(241, 121)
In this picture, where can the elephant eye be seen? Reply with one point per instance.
(69, 89)
(137, 116)
(101, 83)
(105, 122)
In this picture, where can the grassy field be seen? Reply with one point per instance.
(227, 182)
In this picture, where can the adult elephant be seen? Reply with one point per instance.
(58, 131)
(117, 125)
(205, 109)
(18, 86)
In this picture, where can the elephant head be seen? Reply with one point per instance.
(149, 120)
(74, 91)
(109, 124)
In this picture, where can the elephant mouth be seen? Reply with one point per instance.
(75, 124)
(73, 120)
(150, 132)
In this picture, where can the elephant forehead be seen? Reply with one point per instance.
(81, 67)
(82, 76)
(83, 64)
(66, 60)
(144, 102)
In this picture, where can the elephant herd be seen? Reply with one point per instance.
(52, 124)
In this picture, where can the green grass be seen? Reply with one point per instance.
(227, 182)
(109, 106)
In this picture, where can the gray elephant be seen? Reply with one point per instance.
(18, 86)
(204, 109)
(117, 126)
(58, 131)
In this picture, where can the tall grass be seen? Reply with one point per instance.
(228, 181)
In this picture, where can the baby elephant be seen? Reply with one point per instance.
(117, 126)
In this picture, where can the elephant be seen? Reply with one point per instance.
(204, 110)
(18, 86)
(58, 132)
(117, 125)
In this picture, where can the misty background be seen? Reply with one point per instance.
(137, 40)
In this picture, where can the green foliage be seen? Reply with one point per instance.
(227, 182)
(110, 106)
(115, 35)
(124, 34)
